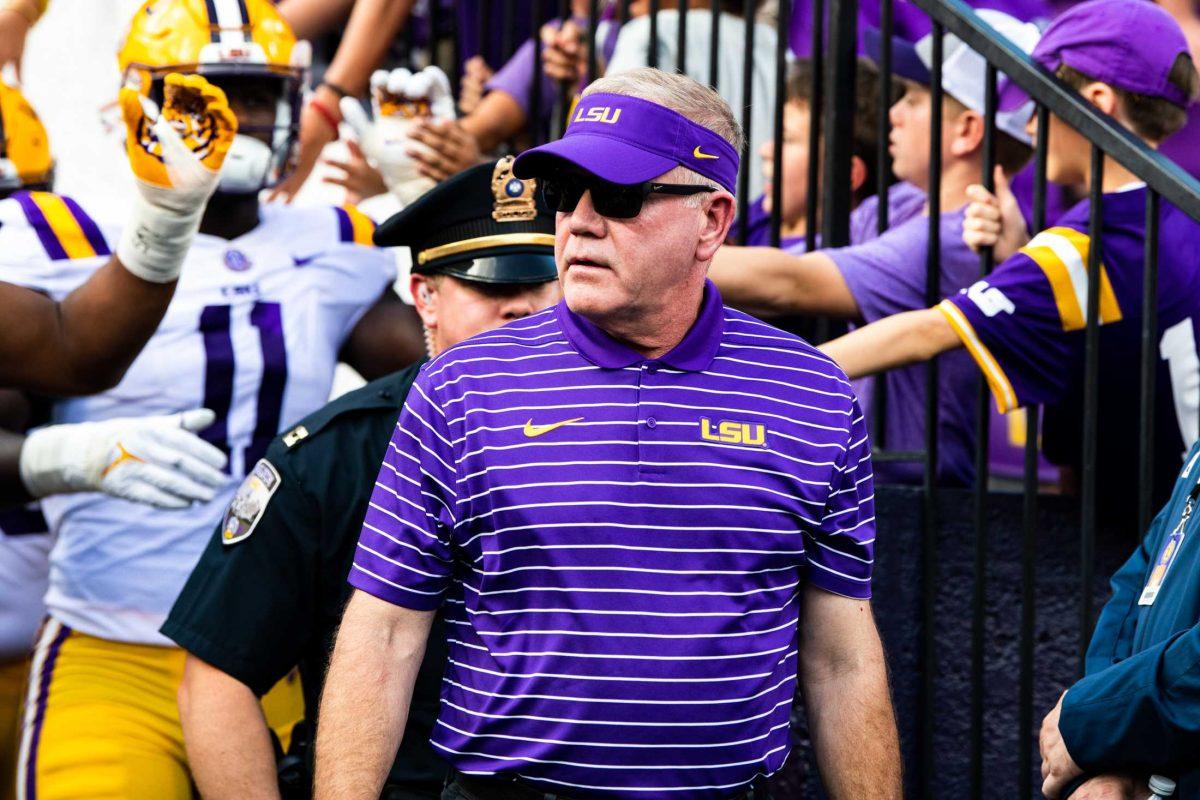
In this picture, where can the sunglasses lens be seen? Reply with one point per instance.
(561, 195)
(617, 202)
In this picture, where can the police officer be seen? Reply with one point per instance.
(268, 591)
(1136, 711)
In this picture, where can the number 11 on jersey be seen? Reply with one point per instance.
(216, 327)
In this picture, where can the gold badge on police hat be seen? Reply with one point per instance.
(513, 197)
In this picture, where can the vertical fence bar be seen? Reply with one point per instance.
(743, 184)
(652, 51)
(811, 217)
(1029, 525)
(928, 656)
(435, 24)
(839, 115)
(1149, 365)
(983, 410)
(535, 88)
(714, 44)
(1091, 405)
(593, 25)
(564, 87)
(781, 46)
(681, 39)
(508, 13)
(484, 23)
(882, 170)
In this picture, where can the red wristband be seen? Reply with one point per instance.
(324, 113)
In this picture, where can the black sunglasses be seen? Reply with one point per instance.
(614, 200)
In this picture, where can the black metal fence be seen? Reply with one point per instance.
(833, 50)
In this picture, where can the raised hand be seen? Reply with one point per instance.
(176, 154)
(994, 220)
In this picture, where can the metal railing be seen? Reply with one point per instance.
(833, 49)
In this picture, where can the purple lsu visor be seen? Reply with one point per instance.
(627, 140)
(1128, 44)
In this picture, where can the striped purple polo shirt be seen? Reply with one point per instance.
(621, 545)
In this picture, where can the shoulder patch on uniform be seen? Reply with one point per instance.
(294, 435)
(250, 502)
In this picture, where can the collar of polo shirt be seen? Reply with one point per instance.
(693, 354)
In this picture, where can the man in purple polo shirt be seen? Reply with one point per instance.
(646, 514)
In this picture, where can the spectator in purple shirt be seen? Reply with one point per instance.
(887, 274)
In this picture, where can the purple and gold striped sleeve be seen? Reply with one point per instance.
(840, 549)
(1025, 320)
(403, 553)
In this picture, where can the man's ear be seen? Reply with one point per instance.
(425, 299)
(858, 173)
(1102, 96)
(719, 210)
(967, 133)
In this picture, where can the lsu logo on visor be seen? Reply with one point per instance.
(605, 114)
(730, 432)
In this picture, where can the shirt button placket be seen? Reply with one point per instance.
(646, 423)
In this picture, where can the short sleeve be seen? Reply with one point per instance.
(515, 79)
(1025, 320)
(403, 553)
(840, 549)
(248, 607)
(886, 275)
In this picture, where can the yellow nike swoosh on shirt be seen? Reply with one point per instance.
(533, 431)
(698, 154)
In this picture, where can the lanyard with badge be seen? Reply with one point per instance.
(1171, 549)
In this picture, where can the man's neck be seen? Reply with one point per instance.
(1115, 176)
(956, 177)
(229, 216)
(655, 332)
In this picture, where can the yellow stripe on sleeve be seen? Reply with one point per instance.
(1062, 255)
(63, 224)
(1002, 390)
(363, 226)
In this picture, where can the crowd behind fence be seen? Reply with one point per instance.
(833, 50)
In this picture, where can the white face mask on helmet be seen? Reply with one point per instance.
(246, 166)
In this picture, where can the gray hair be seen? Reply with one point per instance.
(683, 95)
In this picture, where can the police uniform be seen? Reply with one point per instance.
(268, 592)
(1137, 709)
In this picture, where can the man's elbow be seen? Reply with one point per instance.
(82, 379)
(931, 335)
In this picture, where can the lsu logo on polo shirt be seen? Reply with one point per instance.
(731, 432)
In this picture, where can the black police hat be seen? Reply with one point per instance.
(482, 225)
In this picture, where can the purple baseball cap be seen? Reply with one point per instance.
(1128, 44)
(627, 140)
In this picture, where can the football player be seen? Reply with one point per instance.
(270, 297)
(72, 457)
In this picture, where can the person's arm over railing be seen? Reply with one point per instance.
(768, 281)
(892, 342)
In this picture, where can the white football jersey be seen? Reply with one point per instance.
(24, 562)
(253, 333)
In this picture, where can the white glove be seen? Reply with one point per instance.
(154, 460)
(176, 156)
(398, 98)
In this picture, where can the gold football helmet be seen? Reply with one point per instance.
(25, 160)
(246, 48)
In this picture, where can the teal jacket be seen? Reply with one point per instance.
(1138, 707)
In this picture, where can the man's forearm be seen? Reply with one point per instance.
(767, 281)
(84, 344)
(228, 743)
(891, 342)
(368, 690)
(12, 490)
(372, 26)
(844, 680)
